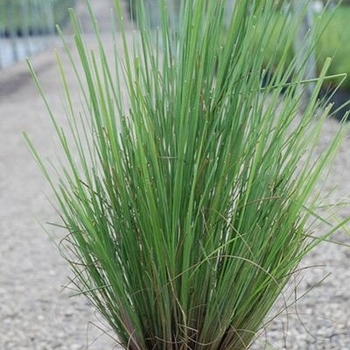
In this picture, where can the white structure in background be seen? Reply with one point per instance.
(230, 8)
(305, 10)
(317, 6)
(17, 49)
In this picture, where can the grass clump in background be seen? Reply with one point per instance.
(33, 17)
(334, 42)
(332, 30)
(187, 208)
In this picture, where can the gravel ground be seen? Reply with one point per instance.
(36, 312)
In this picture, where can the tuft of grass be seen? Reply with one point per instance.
(187, 208)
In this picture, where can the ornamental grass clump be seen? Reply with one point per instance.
(187, 204)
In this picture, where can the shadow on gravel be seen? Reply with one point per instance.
(14, 82)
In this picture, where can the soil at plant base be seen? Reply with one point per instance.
(36, 312)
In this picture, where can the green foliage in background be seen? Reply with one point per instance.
(33, 16)
(335, 43)
(188, 204)
(332, 29)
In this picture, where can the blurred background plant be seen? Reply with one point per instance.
(27, 26)
(332, 26)
(188, 207)
(32, 17)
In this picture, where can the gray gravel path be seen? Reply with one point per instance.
(36, 312)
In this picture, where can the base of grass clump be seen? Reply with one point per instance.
(187, 211)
